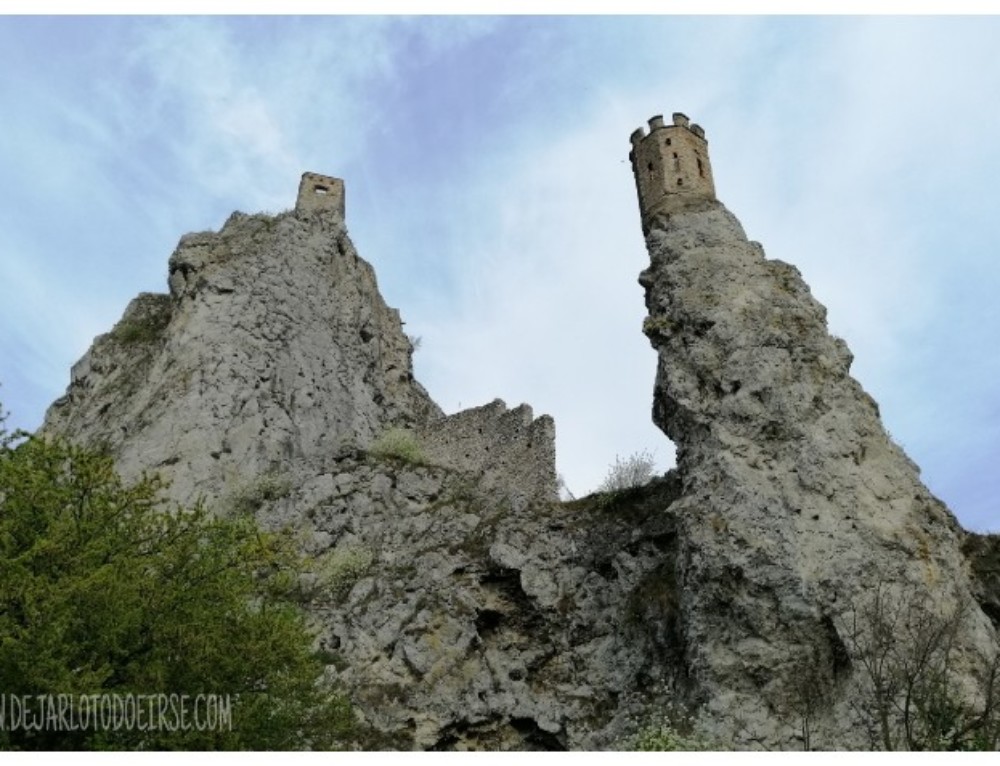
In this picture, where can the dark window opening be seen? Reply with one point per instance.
(321, 190)
(668, 142)
(649, 167)
(675, 155)
(680, 181)
(701, 169)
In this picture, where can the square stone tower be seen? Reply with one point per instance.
(318, 192)
(671, 167)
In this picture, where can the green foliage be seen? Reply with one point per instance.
(339, 568)
(266, 488)
(398, 443)
(616, 500)
(103, 590)
(141, 329)
(665, 738)
(662, 326)
(672, 732)
(8, 439)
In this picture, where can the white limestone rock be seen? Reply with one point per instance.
(795, 500)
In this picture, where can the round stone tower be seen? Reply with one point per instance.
(671, 167)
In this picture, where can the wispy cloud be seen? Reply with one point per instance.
(486, 161)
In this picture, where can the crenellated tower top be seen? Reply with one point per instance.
(671, 167)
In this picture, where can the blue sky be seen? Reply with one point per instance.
(488, 183)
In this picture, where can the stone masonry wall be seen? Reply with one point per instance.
(508, 449)
(671, 167)
(319, 192)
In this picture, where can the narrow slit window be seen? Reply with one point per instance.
(701, 168)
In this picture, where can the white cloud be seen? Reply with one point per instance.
(816, 156)
(862, 151)
(550, 311)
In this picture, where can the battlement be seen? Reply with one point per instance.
(671, 166)
(319, 192)
(508, 450)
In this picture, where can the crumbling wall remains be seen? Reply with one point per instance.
(509, 450)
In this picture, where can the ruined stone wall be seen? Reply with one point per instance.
(508, 449)
(319, 192)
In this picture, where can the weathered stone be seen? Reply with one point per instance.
(462, 605)
(494, 626)
(509, 449)
(796, 503)
(275, 346)
(256, 358)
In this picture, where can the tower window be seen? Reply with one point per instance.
(675, 155)
(321, 190)
(668, 142)
(680, 181)
(701, 168)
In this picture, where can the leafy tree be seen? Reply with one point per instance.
(105, 590)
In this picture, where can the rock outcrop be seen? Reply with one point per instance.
(460, 605)
(458, 602)
(459, 619)
(442, 591)
(274, 344)
(795, 505)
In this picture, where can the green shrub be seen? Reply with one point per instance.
(339, 568)
(398, 443)
(141, 329)
(266, 488)
(634, 471)
(669, 736)
(105, 590)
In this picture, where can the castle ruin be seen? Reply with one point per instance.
(319, 192)
(671, 167)
(510, 450)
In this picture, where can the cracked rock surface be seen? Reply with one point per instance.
(795, 503)
(274, 344)
(460, 604)
(460, 620)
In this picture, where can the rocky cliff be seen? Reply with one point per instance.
(460, 604)
(273, 347)
(796, 507)
(274, 344)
